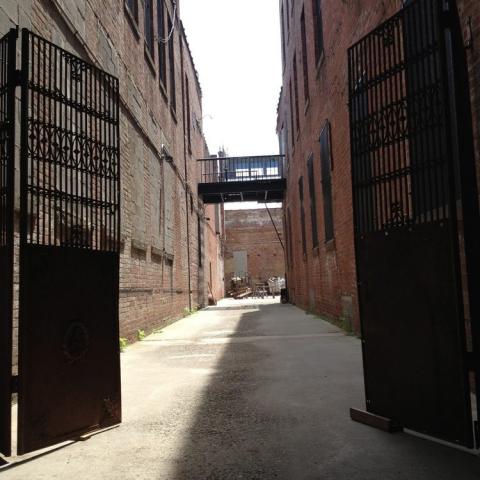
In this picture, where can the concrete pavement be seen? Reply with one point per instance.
(245, 390)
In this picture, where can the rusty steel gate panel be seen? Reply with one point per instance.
(407, 197)
(7, 170)
(69, 373)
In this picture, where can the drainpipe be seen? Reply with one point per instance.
(189, 274)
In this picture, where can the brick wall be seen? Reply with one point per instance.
(164, 232)
(324, 278)
(251, 231)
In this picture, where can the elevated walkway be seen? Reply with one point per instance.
(238, 179)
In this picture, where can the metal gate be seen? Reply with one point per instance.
(7, 169)
(408, 196)
(69, 374)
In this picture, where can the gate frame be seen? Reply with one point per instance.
(24, 443)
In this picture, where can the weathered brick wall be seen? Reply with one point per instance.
(324, 280)
(252, 231)
(160, 272)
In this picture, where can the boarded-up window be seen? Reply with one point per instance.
(326, 161)
(313, 201)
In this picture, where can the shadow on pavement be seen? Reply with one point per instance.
(257, 420)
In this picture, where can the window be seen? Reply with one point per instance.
(313, 201)
(149, 41)
(169, 267)
(199, 240)
(288, 16)
(291, 115)
(162, 53)
(318, 27)
(282, 29)
(302, 215)
(290, 235)
(189, 116)
(132, 6)
(326, 162)
(295, 86)
(171, 61)
(306, 89)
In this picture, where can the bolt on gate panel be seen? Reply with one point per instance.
(406, 226)
(69, 373)
(7, 169)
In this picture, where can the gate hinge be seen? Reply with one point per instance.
(14, 384)
(18, 78)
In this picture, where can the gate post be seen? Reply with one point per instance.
(7, 180)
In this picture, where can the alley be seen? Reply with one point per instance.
(245, 390)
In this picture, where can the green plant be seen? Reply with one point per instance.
(186, 312)
(123, 343)
(141, 335)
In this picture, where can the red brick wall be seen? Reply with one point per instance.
(160, 205)
(252, 231)
(324, 280)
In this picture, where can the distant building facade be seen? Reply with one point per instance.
(171, 244)
(313, 130)
(252, 246)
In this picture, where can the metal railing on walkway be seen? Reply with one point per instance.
(241, 169)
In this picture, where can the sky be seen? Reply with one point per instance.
(236, 50)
